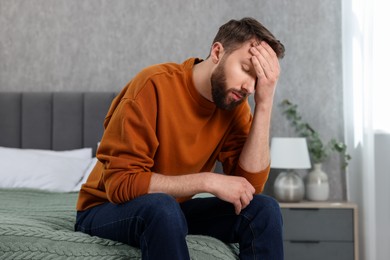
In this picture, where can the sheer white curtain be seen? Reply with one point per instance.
(381, 59)
(364, 48)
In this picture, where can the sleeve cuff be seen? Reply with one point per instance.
(257, 179)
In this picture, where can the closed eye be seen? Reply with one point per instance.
(246, 68)
(249, 70)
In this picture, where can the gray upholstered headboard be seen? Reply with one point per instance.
(53, 120)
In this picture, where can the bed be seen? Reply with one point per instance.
(47, 143)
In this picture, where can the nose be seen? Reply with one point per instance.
(249, 86)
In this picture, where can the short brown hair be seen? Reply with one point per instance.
(236, 32)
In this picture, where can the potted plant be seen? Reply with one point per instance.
(317, 180)
(318, 150)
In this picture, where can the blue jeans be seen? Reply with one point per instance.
(158, 225)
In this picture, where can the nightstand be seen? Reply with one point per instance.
(320, 230)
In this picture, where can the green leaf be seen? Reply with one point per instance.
(317, 150)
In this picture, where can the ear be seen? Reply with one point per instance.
(217, 52)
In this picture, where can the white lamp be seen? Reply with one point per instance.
(289, 154)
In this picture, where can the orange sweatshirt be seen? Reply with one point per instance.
(160, 123)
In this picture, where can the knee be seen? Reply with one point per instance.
(161, 204)
(268, 208)
(266, 201)
(166, 211)
(164, 204)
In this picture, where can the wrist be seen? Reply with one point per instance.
(264, 105)
(207, 182)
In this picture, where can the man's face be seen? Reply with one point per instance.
(233, 79)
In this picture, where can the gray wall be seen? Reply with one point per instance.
(98, 45)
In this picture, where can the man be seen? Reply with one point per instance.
(163, 135)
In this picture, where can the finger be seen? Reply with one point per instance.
(269, 49)
(252, 189)
(250, 196)
(237, 207)
(269, 71)
(244, 201)
(267, 58)
(264, 57)
(268, 52)
(267, 67)
(246, 198)
(258, 68)
(261, 52)
(261, 64)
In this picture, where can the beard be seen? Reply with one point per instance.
(220, 92)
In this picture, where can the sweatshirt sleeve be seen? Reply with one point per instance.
(128, 147)
(257, 179)
(232, 147)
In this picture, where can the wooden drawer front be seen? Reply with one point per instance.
(319, 251)
(302, 224)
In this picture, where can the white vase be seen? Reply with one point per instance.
(317, 185)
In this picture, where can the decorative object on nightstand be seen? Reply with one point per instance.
(317, 184)
(289, 154)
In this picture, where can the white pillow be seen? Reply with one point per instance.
(82, 153)
(47, 170)
(86, 174)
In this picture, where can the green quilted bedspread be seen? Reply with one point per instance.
(39, 225)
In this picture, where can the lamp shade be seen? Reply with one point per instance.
(289, 153)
